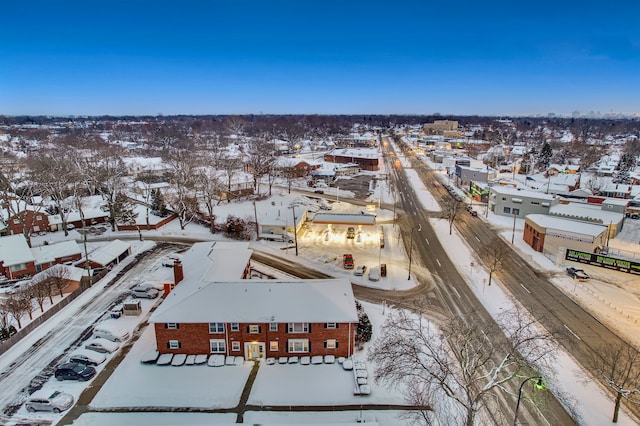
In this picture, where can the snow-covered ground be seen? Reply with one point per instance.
(612, 296)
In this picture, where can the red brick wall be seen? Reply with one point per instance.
(30, 269)
(194, 339)
(30, 218)
(144, 226)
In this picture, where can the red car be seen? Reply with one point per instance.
(347, 261)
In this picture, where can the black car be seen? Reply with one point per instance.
(319, 191)
(577, 273)
(75, 371)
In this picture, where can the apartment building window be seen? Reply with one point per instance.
(331, 344)
(298, 327)
(216, 327)
(172, 326)
(38, 217)
(173, 344)
(254, 329)
(507, 210)
(235, 346)
(217, 345)
(273, 346)
(273, 326)
(298, 345)
(331, 325)
(235, 326)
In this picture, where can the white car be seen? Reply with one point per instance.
(360, 270)
(85, 357)
(374, 274)
(56, 402)
(102, 345)
(144, 292)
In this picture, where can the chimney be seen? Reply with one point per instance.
(178, 274)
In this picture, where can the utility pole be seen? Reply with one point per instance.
(295, 227)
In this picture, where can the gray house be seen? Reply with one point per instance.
(510, 201)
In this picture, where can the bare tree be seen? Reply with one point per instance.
(18, 202)
(55, 175)
(460, 369)
(40, 290)
(450, 209)
(260, 158)
(494, 255)
(619, 365)
(58, 277)
(208, 188)
(15, 304)
(182, 199)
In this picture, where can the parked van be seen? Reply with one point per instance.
(113, 335)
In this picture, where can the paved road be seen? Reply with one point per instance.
(32, 361)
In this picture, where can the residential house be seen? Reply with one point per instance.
(52, 254)
(16, 258)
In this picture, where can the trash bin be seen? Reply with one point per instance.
(383, 269)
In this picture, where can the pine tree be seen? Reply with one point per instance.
(158, 206)
(545, 156)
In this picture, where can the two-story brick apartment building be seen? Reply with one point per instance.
(212, 309)
(258, 318)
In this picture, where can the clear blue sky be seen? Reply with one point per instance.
(326, 57)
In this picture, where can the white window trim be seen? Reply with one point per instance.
(332, 325)
(235, 326)
(172, 326)
(174, 344)
(291, 346)
(218, 342)
(235, 346)
(273, 326)
(216, 331)
(254, 329)
(272, 344)
(291, 327)
(331, 344)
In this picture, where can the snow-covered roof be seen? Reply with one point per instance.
(49, 253)
(356, 152)
(344, 219)
(509, 190)
(14, 250)
(617, 201)
(566, 225)
(586, 212)
(107, 254)
(71, 273)
(260, 301)
(215, 260)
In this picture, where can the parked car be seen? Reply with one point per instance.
(74, 371)
(318, 191)
(92, 358)
(144, 292)
(351, 232)
(117, 311)
(577, 273)
(360, 270)
(374, 274)
(111, 334)
(347, 261)
(56, 402)
(102, 345)
(473, 213)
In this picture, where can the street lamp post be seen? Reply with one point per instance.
(539, 385)
(295, 228)
(419, 228)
